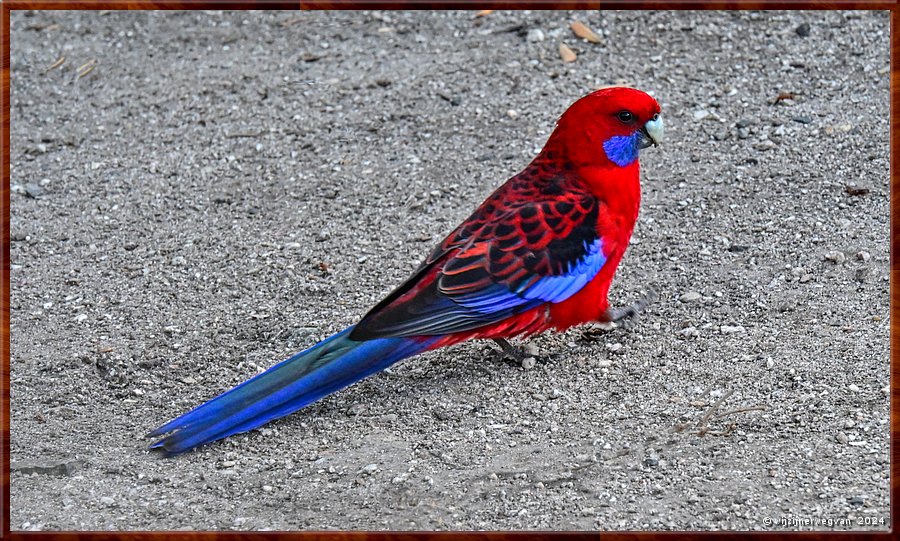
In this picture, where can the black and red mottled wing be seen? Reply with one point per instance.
(532, 242)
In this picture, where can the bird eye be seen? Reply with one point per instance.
(625, 116)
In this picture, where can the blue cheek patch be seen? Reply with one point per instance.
(622, 149)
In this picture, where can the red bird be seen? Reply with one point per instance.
(540, 253)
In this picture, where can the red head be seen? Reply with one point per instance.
(607, 128)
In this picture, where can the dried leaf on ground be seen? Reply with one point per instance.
(584, 32)
(784, 96)
(567, 54)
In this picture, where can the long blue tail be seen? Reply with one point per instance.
(298, 381)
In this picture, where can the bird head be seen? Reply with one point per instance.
(608, 127)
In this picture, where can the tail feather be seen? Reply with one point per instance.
(298, 381)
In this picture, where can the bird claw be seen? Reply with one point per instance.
(524, 356)
(624, 316)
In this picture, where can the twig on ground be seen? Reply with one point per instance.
(713, 408)
(86, 68)
(705, 431)
(741, 410)
(56, 64)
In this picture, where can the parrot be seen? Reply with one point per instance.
(538, 254)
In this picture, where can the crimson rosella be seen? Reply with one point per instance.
(538, 254)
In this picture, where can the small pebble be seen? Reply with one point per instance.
(842, 438)
(802, 30)
(690, 296)
(535, 35)
(369, 469)
(689, 332)
(701, 114)
(863, 256)
(835, 257)
(731, 329)
(33, 191)
(528, 363)
(853, 388)
(107, 501)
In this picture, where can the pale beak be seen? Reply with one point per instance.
(652, 132)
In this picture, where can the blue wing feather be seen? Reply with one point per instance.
(561, 287)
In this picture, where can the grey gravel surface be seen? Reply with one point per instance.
(196, 196)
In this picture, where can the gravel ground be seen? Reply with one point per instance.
(216, 191)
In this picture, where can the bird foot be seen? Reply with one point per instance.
(630, 312)
(625, 316)
(525, 356)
